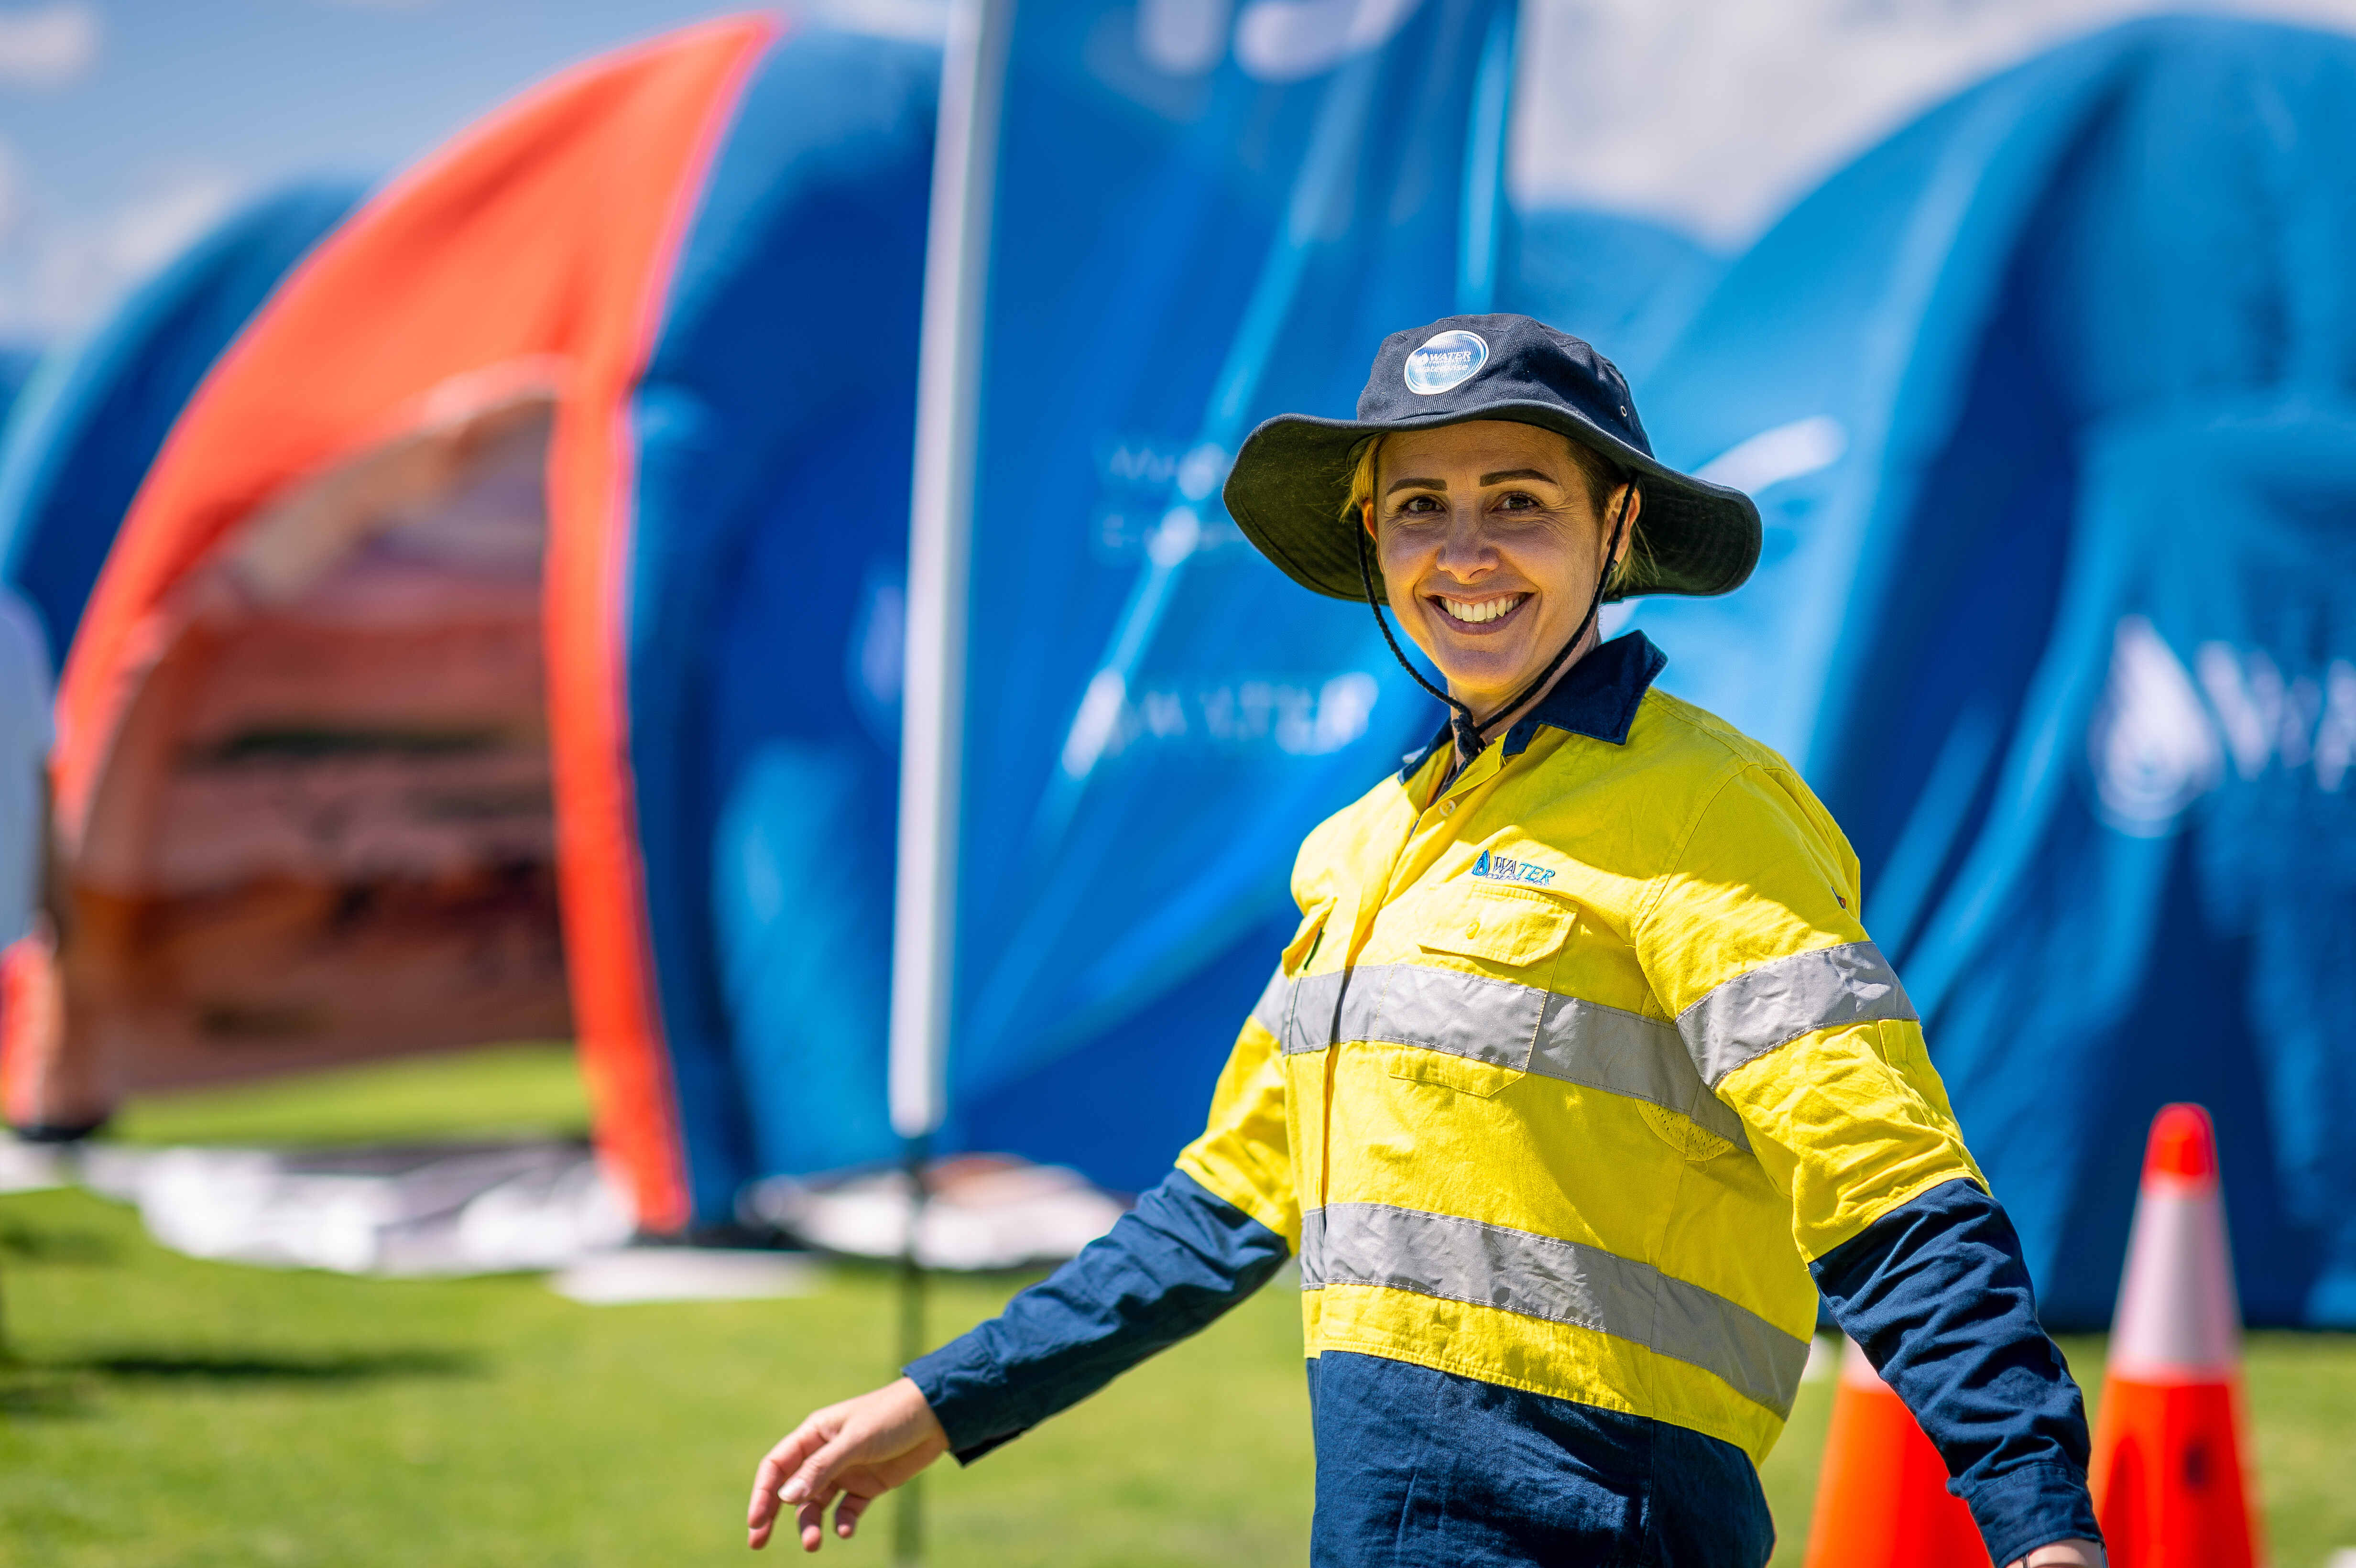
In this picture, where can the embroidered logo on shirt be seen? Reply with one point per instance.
(1501, 869)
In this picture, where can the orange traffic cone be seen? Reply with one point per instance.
(1882, 1498)
(2167, 1455)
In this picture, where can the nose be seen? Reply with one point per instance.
(1466, 551)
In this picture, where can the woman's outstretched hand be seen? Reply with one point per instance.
(857, 1450)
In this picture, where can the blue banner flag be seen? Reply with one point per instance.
(2049, 404)
(1204, 214)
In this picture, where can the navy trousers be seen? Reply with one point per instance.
(1418, 1468)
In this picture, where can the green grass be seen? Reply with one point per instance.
(504, 1092)
(168, 1412)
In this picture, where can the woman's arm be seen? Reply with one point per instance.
(1937, 1296)
(1169, 1268)
(1192, 1248)
(1174, 1263)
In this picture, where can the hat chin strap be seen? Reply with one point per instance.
(1469, 734)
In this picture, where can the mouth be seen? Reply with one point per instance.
(1479, 615)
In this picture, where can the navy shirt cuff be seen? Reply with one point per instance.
(2034, 1506)
(967, 1389)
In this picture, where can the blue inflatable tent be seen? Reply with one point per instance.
(2050, 401)
(422, 574)
(17, 366)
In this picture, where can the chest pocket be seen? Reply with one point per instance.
(1471, 1028)
(1510, 930)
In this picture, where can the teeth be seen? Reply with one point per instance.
(1476, 613)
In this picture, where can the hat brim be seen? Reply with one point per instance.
(1290, 482)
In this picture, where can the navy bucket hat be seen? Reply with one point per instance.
(1288, 483)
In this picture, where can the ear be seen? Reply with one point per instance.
(1366, 517)
(1630, 495)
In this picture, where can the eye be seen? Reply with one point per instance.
(1519, 501)
(1419, 505)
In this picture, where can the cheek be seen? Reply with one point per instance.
(1403, 560)
(1557, 561)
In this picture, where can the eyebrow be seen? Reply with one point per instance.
(1497, 479)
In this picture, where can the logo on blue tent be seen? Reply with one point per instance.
(1447, 359)
(1503, 868)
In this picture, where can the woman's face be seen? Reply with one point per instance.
(1490, 546)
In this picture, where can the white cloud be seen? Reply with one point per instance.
(144, 234)
(915, 21)
(49, 46)
(1716, 114)
(57, 278)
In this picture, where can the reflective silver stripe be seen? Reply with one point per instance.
(1471, 1016)
(1309, 1012)
(1626, 1053)
(1564, 1038)
(1274, 997)
(1561, 1281)
(1781, 1000)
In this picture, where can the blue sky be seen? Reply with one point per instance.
(128, 127)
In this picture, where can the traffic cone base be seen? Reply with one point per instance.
(2167, 1471)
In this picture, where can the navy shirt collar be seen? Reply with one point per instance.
(1598, 697)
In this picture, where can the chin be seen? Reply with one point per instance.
(1487, 681)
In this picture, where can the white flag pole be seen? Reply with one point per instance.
(940, 516)
(924, 926)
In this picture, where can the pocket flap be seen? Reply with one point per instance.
(1304, 940)
(1498, 926)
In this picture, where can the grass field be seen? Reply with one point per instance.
(168, 1412)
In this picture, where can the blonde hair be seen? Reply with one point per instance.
(1602, 474)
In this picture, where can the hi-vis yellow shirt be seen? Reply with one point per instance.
(1574, 1064)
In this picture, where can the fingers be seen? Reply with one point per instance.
(810, 1487)
(769, 1477)
(810, 1519)
(791, 1451)
(864, 1447)
(816, 1478)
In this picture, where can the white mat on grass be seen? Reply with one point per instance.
(685, 1274)
(441, 1210)
(981, 1211)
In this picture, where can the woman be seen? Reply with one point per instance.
(1580, 1083)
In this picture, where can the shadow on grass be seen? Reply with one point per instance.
(65, 1387)
(43, 1244)
(31, 1393)
(267, 1367)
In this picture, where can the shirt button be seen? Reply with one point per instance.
(1472, 926)
(1446, 806)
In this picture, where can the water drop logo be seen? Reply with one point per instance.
(2153, 748)
(1446, 360)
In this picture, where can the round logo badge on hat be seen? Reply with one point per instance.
(1446, 360)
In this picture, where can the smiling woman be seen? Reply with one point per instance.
(1579, 1082)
